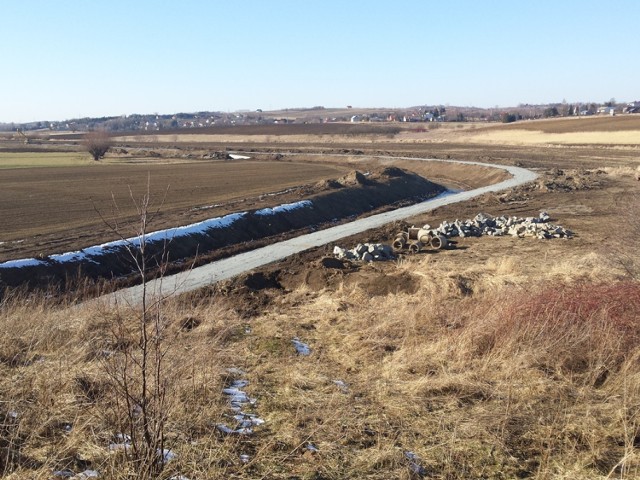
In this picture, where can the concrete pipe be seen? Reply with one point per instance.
(413, 233)
(415, 247)
(439, 242)
(399, 243)
(424, 236)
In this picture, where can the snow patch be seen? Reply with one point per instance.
(90, 253)
(24, 262)
(285, 207)
(302, 348)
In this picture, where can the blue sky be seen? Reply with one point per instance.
(64, 59)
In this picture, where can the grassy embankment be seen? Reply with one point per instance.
(503, 378)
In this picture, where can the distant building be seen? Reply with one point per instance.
(606, 110)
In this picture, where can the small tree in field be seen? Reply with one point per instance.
(97, 143)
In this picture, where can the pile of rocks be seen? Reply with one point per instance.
(484, 224)
(367, 252)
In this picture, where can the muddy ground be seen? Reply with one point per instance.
(587, 202)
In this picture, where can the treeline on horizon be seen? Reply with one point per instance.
(316, 114)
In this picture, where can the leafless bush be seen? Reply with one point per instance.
(138, 372)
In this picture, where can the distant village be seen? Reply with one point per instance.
(319, 114)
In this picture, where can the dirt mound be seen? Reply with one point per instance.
(331, 262)
(325, 273)
(391, 172)
(328, 185)
(387, 188)
(352, 179)
(568, 180)
(261, 281)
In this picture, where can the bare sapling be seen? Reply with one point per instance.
(138, 371)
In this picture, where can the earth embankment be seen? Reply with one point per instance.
(327, 202)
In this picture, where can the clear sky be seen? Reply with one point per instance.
(62, 59)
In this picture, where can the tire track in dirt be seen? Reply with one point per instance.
(230, 267)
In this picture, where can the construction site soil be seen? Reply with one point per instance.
(309, 158)
(332, 201)
(580, 200)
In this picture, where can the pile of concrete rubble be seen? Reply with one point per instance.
(484, 224)
(367, 252)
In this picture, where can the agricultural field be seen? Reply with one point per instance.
(596, 130)
(51, 210)
(500, 357)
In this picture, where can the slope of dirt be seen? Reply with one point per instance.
(585, 201)
(332, 201)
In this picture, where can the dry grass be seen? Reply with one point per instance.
(596, 123)
(483, 373)
(528, 137)
(49, 159)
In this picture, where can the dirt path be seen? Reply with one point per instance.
(227, 268)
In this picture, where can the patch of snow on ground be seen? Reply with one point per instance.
(98, 250)
(91, 253)
(301, 347)
(23, 262)
(444, 194)
(285, 207)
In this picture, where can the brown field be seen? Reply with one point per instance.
(595, 130)
(595, 123)
(51, 210)
(500, 358)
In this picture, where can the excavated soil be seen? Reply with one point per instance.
(578, 199)
(333, 201)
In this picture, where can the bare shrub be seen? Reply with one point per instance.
(138, 371)
(574, 329)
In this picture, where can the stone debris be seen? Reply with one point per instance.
(484, 224)
(367, 252)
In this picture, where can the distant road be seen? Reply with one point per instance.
(244, 262)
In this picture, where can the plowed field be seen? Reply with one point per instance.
(48, 210)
